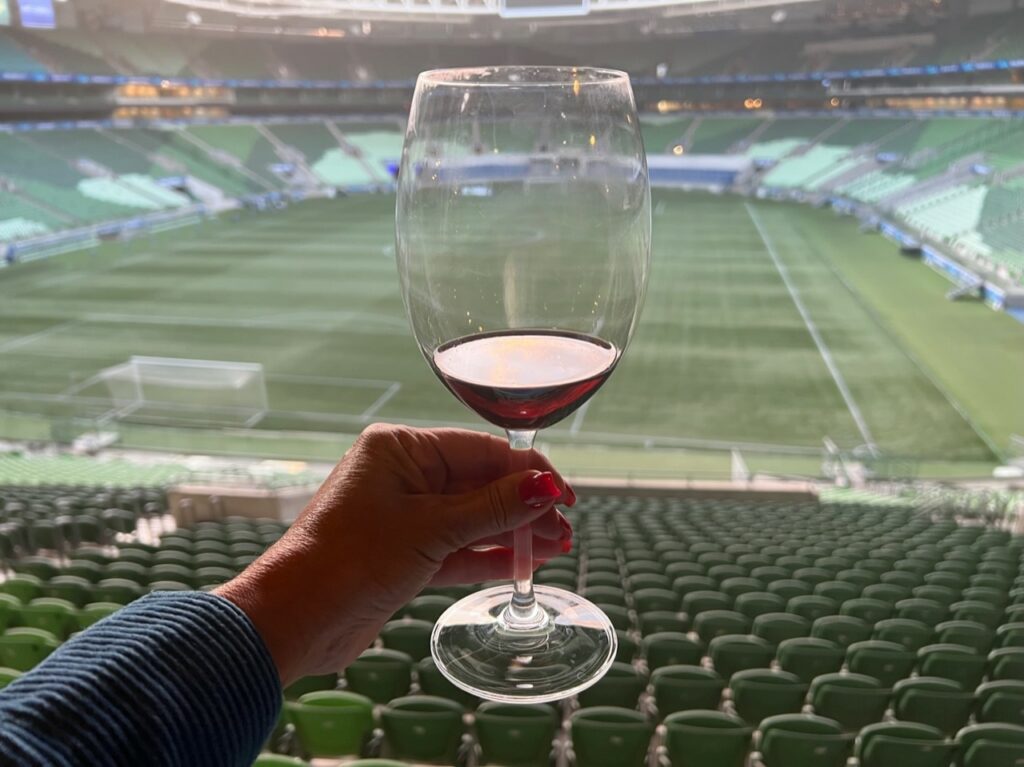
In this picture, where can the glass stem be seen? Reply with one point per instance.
(522, 611)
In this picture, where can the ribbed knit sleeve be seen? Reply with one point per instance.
(179, 679)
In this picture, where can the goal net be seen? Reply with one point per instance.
(196, 391)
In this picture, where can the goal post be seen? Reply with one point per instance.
(176, 389)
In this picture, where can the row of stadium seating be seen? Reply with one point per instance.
(802, 630)
(50, 180)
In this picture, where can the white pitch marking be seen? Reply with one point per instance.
(381, 401)
(826, 353)
(17, 343)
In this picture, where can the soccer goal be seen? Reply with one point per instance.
(170, 389)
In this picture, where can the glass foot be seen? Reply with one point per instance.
(570, 648)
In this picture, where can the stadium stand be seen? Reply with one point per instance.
(917, 608)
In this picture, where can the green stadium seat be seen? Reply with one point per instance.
(95, 612)
(715, 623)
(610, 737)
(844, 630)
(950, 661)
(515, 734)
(972, 634)
(433, 682)
(23, 586)
(23, 648)
(902, 744)
(812, 607)
(331, 723)
(10, 606)
(888, 662)
(937, 702)
(1006, 663)
(810, 657)
(990, 745)
(409, 636)
(380, 675)
(1001, 702)
(278, 760)
(56, 616)
(620, 686)
(422, 728)
(777, 627)
(761, 693)
(671, 649)
(927, 611)
(8, 675)
(853, 700)
(317, 683)
(730, 653)
(660, 621)
(803, 740)
(913, 635)
(655, 599)
(686, 688)
(707, 739)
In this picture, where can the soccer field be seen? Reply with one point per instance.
(765, 325)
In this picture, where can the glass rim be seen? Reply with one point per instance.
(473, 77)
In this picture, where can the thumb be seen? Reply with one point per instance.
(502, 506)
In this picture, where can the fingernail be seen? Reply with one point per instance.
(567, 546)
(539, 490)
(571, 495)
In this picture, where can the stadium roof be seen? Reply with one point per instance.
(327, 9)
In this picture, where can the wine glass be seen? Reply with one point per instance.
(523, 241)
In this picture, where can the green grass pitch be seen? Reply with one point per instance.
(765, 324)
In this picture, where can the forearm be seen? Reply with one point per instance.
(173, 679)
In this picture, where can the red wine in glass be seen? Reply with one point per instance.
(524, 379)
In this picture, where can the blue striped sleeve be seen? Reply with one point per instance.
(180, 679)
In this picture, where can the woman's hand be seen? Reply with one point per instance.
(403, 509)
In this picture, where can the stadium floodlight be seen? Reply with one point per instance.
(187, 390)
(348, 9)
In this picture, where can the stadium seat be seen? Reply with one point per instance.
(620, 686)
(913, 635)
(56, 616)
(331, 723)
(626, 647)
(1006, 663)
(23, 648)
(902, 744)
(1001, 702)
(8, 675)
(510, 734)
(937, 702)
(278, 760)
(659, 621)
(317, 683)
(715, 623)
(853, 700)
(888, 662)
(707, 739)
(761, 693)
(990, 745)
(380, 675)
(809, 657)
(671, 649)
(610, 737)
(803, 740)
(409, 636)
(811, 607)
(950, 661)
(10, 605)
(433, 682)
(95, 612)
(730, 653)
(843, 630)
(23, 586)
(777, 627)
(422, 728)
(686, 688)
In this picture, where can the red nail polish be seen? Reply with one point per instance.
(566, 546)
(539, 490)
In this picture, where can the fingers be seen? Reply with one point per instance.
(499, 507)
(551, 526)
(469, 566)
